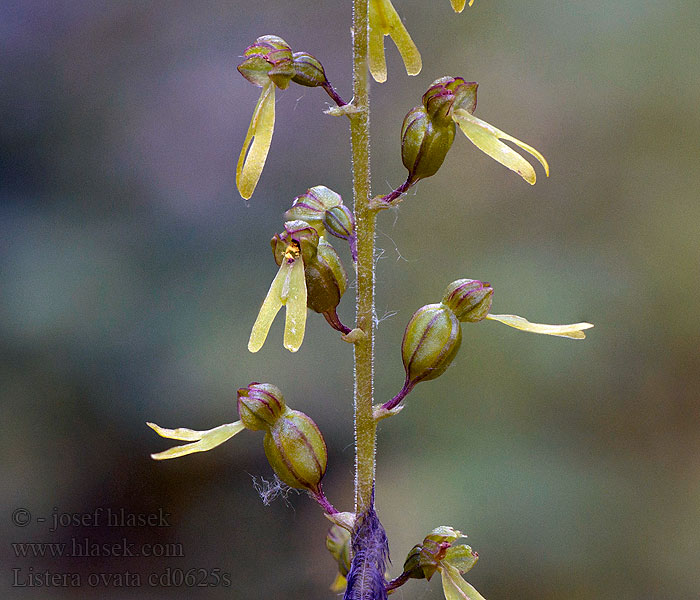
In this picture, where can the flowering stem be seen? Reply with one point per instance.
(365, 427)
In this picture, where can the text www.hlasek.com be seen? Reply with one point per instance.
(84, 547)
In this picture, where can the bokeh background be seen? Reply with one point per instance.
(132, 272)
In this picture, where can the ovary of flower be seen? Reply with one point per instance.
(573, 331)
(487, 138)
(289, 289)
(454, 586)
(458, 5)
(252, 158)
(384, 20)
(201, 441)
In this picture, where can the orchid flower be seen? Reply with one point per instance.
(268, 63)
(288, 289)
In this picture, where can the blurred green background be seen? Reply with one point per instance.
(132, 273)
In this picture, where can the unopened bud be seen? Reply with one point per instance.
(312, 205)
(308, 70)
(340, 222)
(338, 544)
(430, 343)
(269, 57)
(422, 561)
(469, 299)
(412, 564)
(296, 451)
(447, 94)
(424, 144)
(260, 405)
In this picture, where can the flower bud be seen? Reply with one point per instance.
(430, 343)
(338, 544)
(312, 205)
(412, 563)
(424, 145)
(340, 222)
(308, 70)
(469, 299)
(260, 405)
(447, 94)
(326, 280)
(422, 561)
(296, 451)
(299, 232)
(269, 57)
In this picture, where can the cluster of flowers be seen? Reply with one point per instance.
(311, 275)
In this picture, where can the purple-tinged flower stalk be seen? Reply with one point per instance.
(384, 20)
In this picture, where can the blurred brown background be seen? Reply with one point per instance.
(132, 272)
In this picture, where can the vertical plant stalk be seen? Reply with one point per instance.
(365, 426)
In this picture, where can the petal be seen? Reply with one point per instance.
(384, 20)
(269, 309)
(201, 440)
(487, 138)
(458, 5)
(376, 57)
(455, 587)
(573, 331)
(251, 163)
(294, 296)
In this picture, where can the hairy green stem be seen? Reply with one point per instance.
(365, 427)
